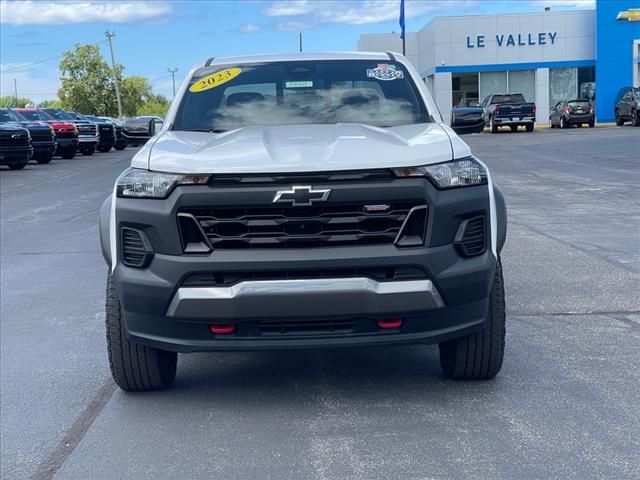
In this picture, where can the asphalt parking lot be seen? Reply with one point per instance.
(566, 405)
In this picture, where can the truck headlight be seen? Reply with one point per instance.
(139, 183)
(457, 173)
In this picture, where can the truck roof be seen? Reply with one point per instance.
(286, 57)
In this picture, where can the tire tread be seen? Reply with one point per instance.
(134, 367)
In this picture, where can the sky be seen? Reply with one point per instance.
(155, 35)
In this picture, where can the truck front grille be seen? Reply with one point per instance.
(41, 136)
(87, 129)
(300, 227)
(14, 138)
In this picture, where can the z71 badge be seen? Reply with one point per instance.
(385, 72)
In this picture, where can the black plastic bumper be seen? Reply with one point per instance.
(11, 155)
(44, 147)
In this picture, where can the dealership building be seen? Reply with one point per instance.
(548, 56)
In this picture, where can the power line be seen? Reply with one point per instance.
(29, 65)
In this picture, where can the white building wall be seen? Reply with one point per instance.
(442, 87)
(442, 45)
(542, 95)
(391, 42)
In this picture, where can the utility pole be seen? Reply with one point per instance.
(300, 37)
(173, 71)
(15, 91)
(113, 69)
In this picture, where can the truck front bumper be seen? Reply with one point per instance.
(161, 312)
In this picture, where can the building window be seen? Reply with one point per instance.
(524, 82)
(492, 82)
(464, 88)
(563, 84)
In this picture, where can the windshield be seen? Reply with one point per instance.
(7, 115)
(58, 114)
(35, 115)
(310, 92)
(579, 103)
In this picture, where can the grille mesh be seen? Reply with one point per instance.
(300, 227)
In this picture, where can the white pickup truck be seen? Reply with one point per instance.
(303, 201)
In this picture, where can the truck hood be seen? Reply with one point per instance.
(299, 148)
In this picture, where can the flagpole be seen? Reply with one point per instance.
(402, 26)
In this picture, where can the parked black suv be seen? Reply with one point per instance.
(121, 141)
(572, 112)
(628, 106)
(43, 139)
(15, 146)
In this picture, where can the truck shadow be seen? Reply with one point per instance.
(333, 375)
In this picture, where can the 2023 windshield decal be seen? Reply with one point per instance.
(215, 79)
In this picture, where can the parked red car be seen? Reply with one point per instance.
(66, 132)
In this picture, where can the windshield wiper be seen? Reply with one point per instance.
(209, 130)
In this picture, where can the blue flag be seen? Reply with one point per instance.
(402, 19)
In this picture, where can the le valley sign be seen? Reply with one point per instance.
(514, 39)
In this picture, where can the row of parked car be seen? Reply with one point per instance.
(512, 110)
(41, 133)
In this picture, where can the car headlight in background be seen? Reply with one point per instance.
(138, 183)
(457, 173)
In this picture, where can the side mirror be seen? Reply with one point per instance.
(138, 130)
(155, 125)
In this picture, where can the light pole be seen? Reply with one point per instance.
(113, 69)
(173, 71)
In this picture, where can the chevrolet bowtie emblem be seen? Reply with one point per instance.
(632, 15)
(301, 196)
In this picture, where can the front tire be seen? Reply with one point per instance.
(134, 367)
(17, 166)
(563, 124)
(636, 118)
(120, 147)
(479, 356)
(88, 151)
(43, 159)
(104, 149)
(619, 120)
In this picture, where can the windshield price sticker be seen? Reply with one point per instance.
(301, 84)
(385, 72)
(215, 79)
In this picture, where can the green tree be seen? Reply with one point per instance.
(50, 104)
(155, 105)
(135, 91)
(87, 81)
(11, 101)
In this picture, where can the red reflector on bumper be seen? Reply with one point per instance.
(221, 329)
(391, 323)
